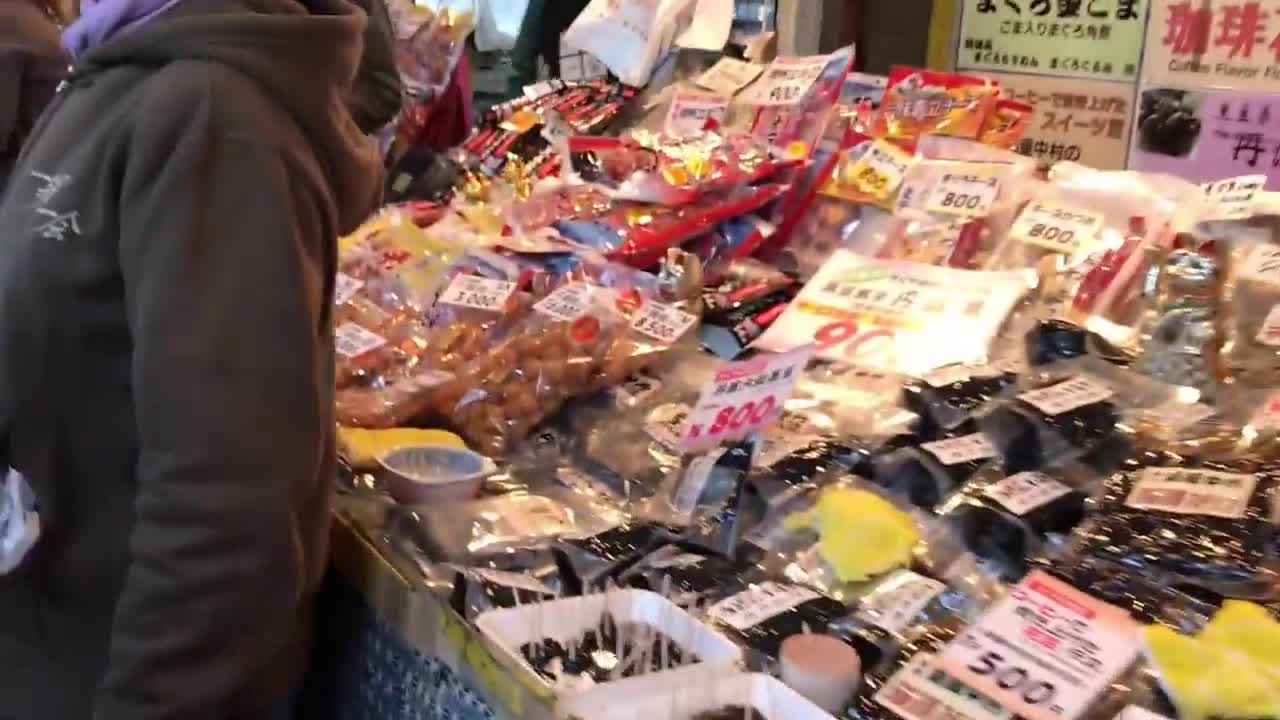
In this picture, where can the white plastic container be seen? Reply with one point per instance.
(684, 700)
(563, 620)
(433, 473)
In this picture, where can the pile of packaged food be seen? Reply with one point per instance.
(1004, 434)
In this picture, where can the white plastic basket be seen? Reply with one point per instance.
(508, 629)
(648, 700)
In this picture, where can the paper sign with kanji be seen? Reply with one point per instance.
(1225, 44)
(1068, 38)
(1085, 121)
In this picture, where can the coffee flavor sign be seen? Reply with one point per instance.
(1223, 44)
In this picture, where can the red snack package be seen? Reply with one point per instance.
(925, 102)
(1006, 124)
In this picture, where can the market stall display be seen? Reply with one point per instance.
(1003, 434)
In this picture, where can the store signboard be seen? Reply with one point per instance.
(1224, 44)
(1099, 39)
(1205, 135)
(1086, 121)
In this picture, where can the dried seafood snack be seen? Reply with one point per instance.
(1197, 521)
(944, 400)
(1056, 421)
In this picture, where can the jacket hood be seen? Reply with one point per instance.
(305, 57)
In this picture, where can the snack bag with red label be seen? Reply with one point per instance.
(801, 124)
(925, 102)
(1005, 125)
(604, 323)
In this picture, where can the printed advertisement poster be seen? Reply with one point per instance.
(1073, 38)
(1229, 44)
(1204, 135)
(1085, 121)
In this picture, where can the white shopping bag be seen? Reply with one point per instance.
(19, 522)
(498, 23)
(629, 36)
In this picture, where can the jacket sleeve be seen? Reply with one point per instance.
(222, 261)
(376, 96)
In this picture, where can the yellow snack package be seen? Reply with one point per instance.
(862, 535)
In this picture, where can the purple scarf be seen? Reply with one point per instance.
(100, 20)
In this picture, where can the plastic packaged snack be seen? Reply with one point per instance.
(799, 126)
(762, 615)
(607, 323)
(1005, 125)
(928, 472)
(1148, 600)
(1186, 519)
(742, 299)
(1007, 519)
(1251, 347)
(428, 45)
(946, 399)
(924, 102)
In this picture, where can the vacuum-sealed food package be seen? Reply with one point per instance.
(1251, 346)
(947, 398)
(928, 472)
(1147, 599)
(764, 614)
(1197, 521)
(1006, 519)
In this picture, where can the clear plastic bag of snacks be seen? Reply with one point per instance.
(1190, 520)
(629, 36)
(428, 44)
(1251, 300)
(603, 324)
(925, 102)
(799, 126)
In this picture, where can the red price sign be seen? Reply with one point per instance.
(848, 338)
(743, 397)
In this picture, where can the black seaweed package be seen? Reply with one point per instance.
(944, 402)
(685, 575)
(1148, 600)
(762, 615)
(1051, 341)
(588, 562)
(1187, 520)
(480, 589)
(1005, 519)
(1057, 421)
(929, 472)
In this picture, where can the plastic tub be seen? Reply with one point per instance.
(685, 700)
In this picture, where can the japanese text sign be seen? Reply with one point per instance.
(1226, 44)
(1208, 135)
(743, 397)
(1085, 121)
(1072, 38)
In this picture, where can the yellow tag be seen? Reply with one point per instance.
(879, 171)
(797, 150)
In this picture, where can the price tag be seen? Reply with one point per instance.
(566, 303)
(1066, 396)
(786, 81)
(1191, 491)
(537, 90)
(1269, 333)
(1056, 228)
(896, 602)
(478, 292)
(350, 340)
(729, 75)
(1232, 198)
(759, 603)
(345, 287)
(923, 691)
(743, 397)
(964, 194)
(880, 170)
(690, 111)
(1025, 491)
(1262, 264)
(1046, 651)
(961, 449)
(662, 322)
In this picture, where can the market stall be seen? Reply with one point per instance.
(771, 390)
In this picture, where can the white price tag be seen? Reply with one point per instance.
(478, 292)
(694, 480)
(1046, 651)
(896, 602)
(662, 322)
(1025, 491)
(1262, 264)
(744, 397)
(964, 194)
(961, 449)
(1066, 396)
(880, 170)
(1056, 228)
(537, 90)
(1191, 491)
(1269, 333)
(350, 340)
(1232, 198)
(759, 603)
(923, 691)
(729, 75)
(512, 580)
(690, 111)
(786, 81)
(345, 287)
(566, 303)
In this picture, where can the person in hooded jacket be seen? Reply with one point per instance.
(166, 356)
(31, 64)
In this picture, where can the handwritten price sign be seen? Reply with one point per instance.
(478, 292)
(742, 398)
